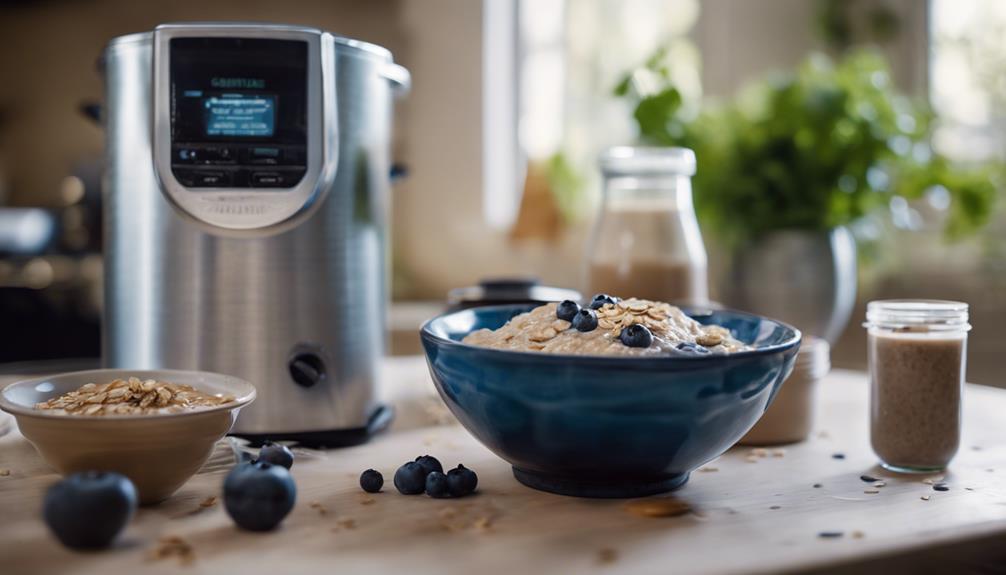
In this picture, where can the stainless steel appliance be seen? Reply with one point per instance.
(245, 214)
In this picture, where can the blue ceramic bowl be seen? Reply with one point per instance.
(595, 426)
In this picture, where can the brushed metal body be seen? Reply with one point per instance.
(180, 296)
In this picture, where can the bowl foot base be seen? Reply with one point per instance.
(564, 485)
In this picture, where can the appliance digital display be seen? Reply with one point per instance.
(240, 115)
(238, 112)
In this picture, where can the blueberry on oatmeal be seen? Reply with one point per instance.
(636, 335)
(566, 310)
(585, 320)
(600, 299)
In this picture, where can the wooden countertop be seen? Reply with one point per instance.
(760, 516)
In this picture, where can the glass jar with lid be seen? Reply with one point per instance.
(917, 352)
(646, 241)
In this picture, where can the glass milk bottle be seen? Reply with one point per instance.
(646, 241)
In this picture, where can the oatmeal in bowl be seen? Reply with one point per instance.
(609, 326)
(156, 427)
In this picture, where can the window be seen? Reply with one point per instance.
(968, 77)
(548, 86)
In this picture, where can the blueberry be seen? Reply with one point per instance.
(410, 479)
(371, 481)
(276, 454)
(636, 335)
(585, 320)
(601, 299)
(88, 510)
(689, 348)
(567, 309)
(437, 485)
(430, 464)
(259, 495)
(462, 481)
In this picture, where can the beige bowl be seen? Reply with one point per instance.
(157, 452)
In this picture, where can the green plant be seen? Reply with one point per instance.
(814, 149)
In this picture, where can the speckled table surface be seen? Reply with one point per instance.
(749, 513)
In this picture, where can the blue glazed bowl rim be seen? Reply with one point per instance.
(426, 333)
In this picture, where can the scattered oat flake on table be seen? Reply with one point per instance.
(708, 469)
(879, 484)
(347, 523)
(778, 453)
(857, 534)
(658, 507)
(367, 500)
(928, 481)
(759, 452)
(924, 498)
(607, 556)
(173, 546)
(871, 491)
(4, 472)
(209, 501)
(316, 505)
(483, 524)
(751, 459)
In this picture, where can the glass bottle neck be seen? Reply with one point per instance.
(658, 191)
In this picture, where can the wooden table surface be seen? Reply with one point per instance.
(751, 514)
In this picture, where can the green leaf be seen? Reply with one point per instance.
(655, 115)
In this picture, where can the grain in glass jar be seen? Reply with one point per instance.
(917, 355)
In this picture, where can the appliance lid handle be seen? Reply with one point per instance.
(400, 78)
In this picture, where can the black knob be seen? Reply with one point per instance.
(307, 369)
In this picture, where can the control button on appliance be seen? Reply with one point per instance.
(213, 179)
(211, 155)
(187, 156)
(267, 180)
(306, 369)
(268, 156)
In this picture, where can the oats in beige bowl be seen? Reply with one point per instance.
(132, 396)
(156, 427)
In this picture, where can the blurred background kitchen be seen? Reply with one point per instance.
(886, 118)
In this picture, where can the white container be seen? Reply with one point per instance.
(790, 418)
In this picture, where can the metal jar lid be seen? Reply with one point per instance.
(501, 291)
